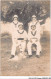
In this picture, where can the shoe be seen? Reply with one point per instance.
(40, 52)
(30, 56)
(38, 56)
(12, 56)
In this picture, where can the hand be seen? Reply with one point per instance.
(31, 40)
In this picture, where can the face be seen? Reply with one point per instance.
(33, 19)
(20, 27)
(15, 19)
(33, 27)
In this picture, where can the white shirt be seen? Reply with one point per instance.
(14, 27)
(20, 34)
(38, 29)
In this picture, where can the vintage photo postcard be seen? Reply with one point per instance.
(25, 38)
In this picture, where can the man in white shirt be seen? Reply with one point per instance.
(14, 24)
(13, 28)
(34, 36)
(19, 39)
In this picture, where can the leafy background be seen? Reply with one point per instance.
(25, 9)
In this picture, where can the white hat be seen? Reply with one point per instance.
(15, 16)
(33, 16)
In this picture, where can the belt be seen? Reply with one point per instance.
(20, 38)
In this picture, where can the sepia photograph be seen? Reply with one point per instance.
(25, 38)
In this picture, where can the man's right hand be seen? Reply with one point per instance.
(31, 40)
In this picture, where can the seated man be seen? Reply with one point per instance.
(19, 39)
(34, 38)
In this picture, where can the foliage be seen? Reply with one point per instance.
(25, 10)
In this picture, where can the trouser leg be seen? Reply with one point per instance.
(29, 48)
(38, 48)
(23, 45)
(13, 49)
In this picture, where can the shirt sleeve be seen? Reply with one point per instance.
(38, 30)
(29, 35)
(25, 35)
(29, 27)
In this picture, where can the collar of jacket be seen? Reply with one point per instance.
(15, 23)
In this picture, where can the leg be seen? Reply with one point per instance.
(23, 46)
(29, 48)
(13, 49)
(38, 48)
(22, 49)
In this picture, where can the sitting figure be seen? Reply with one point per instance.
(34, 38)
(19, 39)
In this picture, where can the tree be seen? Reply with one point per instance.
(25, 9)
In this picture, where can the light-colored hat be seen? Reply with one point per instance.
(33, 16)
(15, 16)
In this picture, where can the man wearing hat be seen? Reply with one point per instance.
(34, 36)
(13, 29)
(20, 37)
(15, 22)
(33, 21)
(14, 25)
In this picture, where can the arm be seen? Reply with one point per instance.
(38, 31)
(25, 36)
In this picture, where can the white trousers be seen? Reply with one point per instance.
(21, 44)
(29, 45)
